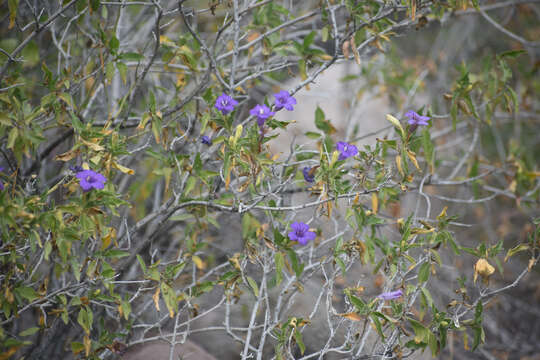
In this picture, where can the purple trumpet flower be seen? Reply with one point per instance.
(89, 179)
(284, 100)
(346, 150)
(262, 112)
(300, 232)
(416, 119)
(391, 295)
(225, 104)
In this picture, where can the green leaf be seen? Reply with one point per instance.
(253, 285)
(29, 331)
(420, 331)
(77, 347)
(26, 292)
(478, 312)
(299, 341)
(358, 303)
(312, 135)
(423, 273)
(13, 5)
(433, 344)
(109, 71)
(197, 164)
(114, 44)
(308, 40)
(321, 123)
(280, 262)
(169, 296)
(94, 4)
(427, 296)
(141, 262)
(378, 325)
(114, 253)
(122, 69)
(130, 56)
(479, 336)
(13, 134)
(512, 53)
(85, 319)
(30, 53)
(297, 267)
(516, 249)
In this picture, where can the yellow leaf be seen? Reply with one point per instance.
(228, 180)
(398, 163)
(335, 156)
(345, 49)
(374, 202)
(105, 242)
(67, 155)
(484, 269)
(355, 51)
(351, 316)
(442, 215)
(93, 146)
(7, 354)
(238, 133)
(87, 345)
(532, 261)
(165, 40)
(396, 123)
(412, 156)
(155, 297)
(144, 121)
(95, 159)
(123, 169)
(198, 262)
(416, 231)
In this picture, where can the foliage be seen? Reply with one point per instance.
(132, 130)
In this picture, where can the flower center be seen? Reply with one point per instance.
(261, 111)
(224, 102)
(90, 179)
(300, 233)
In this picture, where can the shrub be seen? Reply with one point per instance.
(140, 198)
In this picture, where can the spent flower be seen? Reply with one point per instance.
(300, 232)
(346, 150)
(89, 179)
(309, 174)
(206, 140)
(225, 104)
(284, 100)
(416, 119)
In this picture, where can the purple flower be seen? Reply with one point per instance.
(76, 168)
(301, 233)
(1, 183)
(391, 295)
(415, 119)
(284, 100)
(346, 150)
(225, 104)
(262, 112)
(309, 174)
(89, 179)
(206, 140)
